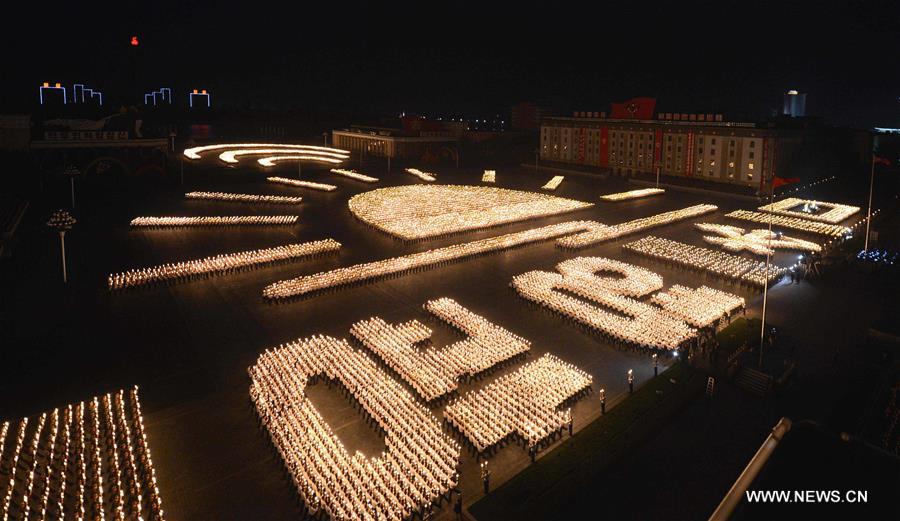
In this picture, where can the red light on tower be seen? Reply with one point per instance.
(134, 41)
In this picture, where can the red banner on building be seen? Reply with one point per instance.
(635, 108)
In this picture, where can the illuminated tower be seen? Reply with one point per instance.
(794, 104)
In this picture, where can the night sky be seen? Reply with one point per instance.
(735, 58)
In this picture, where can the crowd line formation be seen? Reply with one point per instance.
(760, 242)
(809, 209)
(719, 263)
(553, 183)
(371, 270)
(352, 174)
(489, 176)
(194, 153)
(601, 233)
(242, 198)
(218, 263)
(434, 372)
(87, 461)
(424, 176)
(220, 220)
(525, 402)
(632, 194)
(414, 212)
(632, 322)
(793, 223)
(418, 467)
(323, 187)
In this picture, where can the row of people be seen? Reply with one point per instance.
(794, 223)
(719, 263)
(353, 174)
(217, 220)
(606, 233)
(323, 187)
(362, 272)
(242, 198)
(218, 263)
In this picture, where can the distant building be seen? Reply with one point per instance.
(390, 142)
(702, 146)
(794, 104)
(528, 115)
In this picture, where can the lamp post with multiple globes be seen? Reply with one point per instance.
(61, 221)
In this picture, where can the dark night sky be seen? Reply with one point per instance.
(723, 56)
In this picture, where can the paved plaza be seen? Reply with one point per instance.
(188, 344)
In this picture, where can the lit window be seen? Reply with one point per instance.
(750, 166)
(731, 164)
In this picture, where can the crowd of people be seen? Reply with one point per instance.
(242, 198)
(361, 272)
(701, 307)
(632, 194)
(415, 212)
(643, 325)
(489, 176)
(794, 223)
(277, 154)
(220, 220)
(424, 176)
(525, 401)
(760, 242)
(418, 468)
(553, 183)
(323, 187)
(833, 214)
(434, 372)
(603, 233)
(194, 152)
(718, 263)
(218, 264)
(352, 174)
(90, 460)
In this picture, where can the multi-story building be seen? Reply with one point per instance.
(683, 145)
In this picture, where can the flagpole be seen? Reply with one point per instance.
(869, 213)
(762, 325)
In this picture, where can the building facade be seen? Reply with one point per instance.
(711, 149)
(388, 142)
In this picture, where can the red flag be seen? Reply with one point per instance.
(779, 181)
(881, 160)
(635, 108)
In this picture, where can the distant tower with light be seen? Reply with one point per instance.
(794, 104)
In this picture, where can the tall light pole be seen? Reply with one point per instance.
(325, 136)
(72, 172)
(62, 221)
(869, 212)
(762, 326)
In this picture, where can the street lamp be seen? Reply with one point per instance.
(655, 364)
(62, 221)
(603, 401)
(325, 137)
(72, 172)
(630, 380)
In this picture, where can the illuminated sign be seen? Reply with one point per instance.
(202, 93)
(47, 86)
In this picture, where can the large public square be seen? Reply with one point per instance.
(468, 262)
(188, 344)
